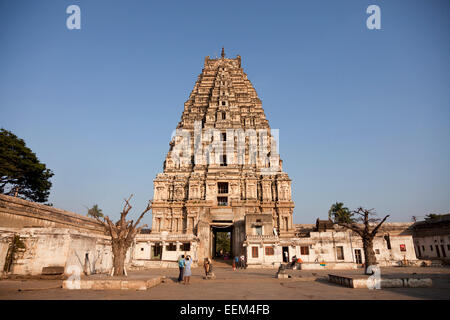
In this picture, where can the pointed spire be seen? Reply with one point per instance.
(223, 52)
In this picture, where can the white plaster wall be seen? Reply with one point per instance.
(171, 255)
(174, 255)
(3, 251)
(322, 248)
(42, 250)
(250, 259)
(409, 254)
(46, 247)
(142, 251)
(270, 259)
(426, 242)
(103, 258)
(262, 258)
(79, 246)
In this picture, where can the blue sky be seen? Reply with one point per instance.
(363, 114)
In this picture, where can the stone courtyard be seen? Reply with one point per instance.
(249, 284)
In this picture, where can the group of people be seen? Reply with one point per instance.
(296, 262)
(184, 264)
(239, 262)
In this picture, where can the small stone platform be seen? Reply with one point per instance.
(366, 281)
(112, 284)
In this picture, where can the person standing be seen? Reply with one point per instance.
(206, 266)
(299, 264)
(181, 263)
(187, 270)
(242, 261)
(235, 262)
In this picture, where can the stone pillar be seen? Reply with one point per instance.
(150, 248)
(163, 245)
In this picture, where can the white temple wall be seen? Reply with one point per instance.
(49, 247)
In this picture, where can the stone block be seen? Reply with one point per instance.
(153, 282)
(134, 285)
(54, 270)
(419, 283)
(391, 283)
(357, 283)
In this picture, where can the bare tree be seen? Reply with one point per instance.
(365, 233)
(122, 234)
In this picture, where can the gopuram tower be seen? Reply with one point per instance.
(223, 171)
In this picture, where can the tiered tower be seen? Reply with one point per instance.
(222, 163)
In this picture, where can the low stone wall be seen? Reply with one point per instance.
(56, 247)
(148, 264)
(111, 284)
(19, 213)
(366, 282)
(328, 266)
(274, 265)
(4, 245)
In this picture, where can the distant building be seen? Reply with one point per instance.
(328, 246)
(432, 238)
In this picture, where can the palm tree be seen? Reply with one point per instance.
(95, 212)
(339, 213)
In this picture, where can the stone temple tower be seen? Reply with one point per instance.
(223, 167)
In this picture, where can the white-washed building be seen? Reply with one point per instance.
(432, 238)
(332, 247)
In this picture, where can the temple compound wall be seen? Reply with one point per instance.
(72, 246)
(19, 213)
(56, 247)
(50, 237)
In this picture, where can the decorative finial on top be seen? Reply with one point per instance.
(223, 52)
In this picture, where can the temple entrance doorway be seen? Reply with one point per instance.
(156, 252)
(222, 243)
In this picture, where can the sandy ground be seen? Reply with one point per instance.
(258, 284)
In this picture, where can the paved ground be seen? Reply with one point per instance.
(256, 284)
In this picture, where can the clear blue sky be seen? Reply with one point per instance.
(363, 114)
